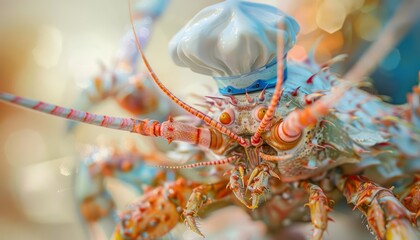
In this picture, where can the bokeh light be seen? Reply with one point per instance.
(48, 47)
(391, 61)
(32, 148)
(331, 22)
(367, 26)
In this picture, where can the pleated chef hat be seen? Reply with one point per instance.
(235, 42)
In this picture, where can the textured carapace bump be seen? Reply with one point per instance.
(233, 38)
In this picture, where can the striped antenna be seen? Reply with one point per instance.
(203, 164)
(393, 32)
(213, 123)
(292, 126)
(397, 27)
(125, 124)
(256, 138)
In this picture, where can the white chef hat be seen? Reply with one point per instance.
(235, 42)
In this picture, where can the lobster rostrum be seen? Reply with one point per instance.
(297, 124)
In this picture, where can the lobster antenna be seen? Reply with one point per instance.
(202, 164)
(125, 124)
(204, 117)
(186, 132)
(256, 138)
(394, 31)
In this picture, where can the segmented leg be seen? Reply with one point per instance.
(410, 198)
(155, 213)
(319, 208)
(386, 216)
(258, 183)
(237, 182)
(201, 197)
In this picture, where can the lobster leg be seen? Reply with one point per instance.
(155, 213)
(319, 208)
(410, 198)
(258, 182)
(256, 185)
(386, 216)
(202, 196)
(237, 182)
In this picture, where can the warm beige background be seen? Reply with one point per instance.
(47, 50)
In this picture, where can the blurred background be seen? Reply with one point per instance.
(48, 50)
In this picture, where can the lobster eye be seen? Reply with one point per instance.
(227, 117)
(259, 113)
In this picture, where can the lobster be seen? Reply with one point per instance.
(308, 131)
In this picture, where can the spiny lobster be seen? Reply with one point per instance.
(312, 132)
